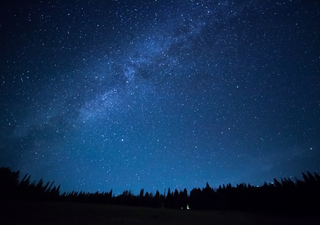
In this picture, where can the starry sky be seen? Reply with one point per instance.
(157, 94)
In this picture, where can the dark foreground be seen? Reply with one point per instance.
(12, 212)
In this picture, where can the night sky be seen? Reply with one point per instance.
(157, 94)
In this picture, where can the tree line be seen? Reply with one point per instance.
(281, 196)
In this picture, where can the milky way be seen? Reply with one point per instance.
(124, 95)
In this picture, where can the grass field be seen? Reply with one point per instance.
(67, 213)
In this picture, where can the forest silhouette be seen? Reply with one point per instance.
(284, 196)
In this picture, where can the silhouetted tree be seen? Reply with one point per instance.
(183, 198)
(276, 183)
(157, 201)
(312, 179)
(169, 199)
(317, 177)
(141, 198)
(305, 178)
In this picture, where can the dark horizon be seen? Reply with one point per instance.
(305, 176)
(286, 197)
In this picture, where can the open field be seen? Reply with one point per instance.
(68, 213)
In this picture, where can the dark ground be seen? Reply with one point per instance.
(13, 212)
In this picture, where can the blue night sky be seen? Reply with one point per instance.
(158, 94)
